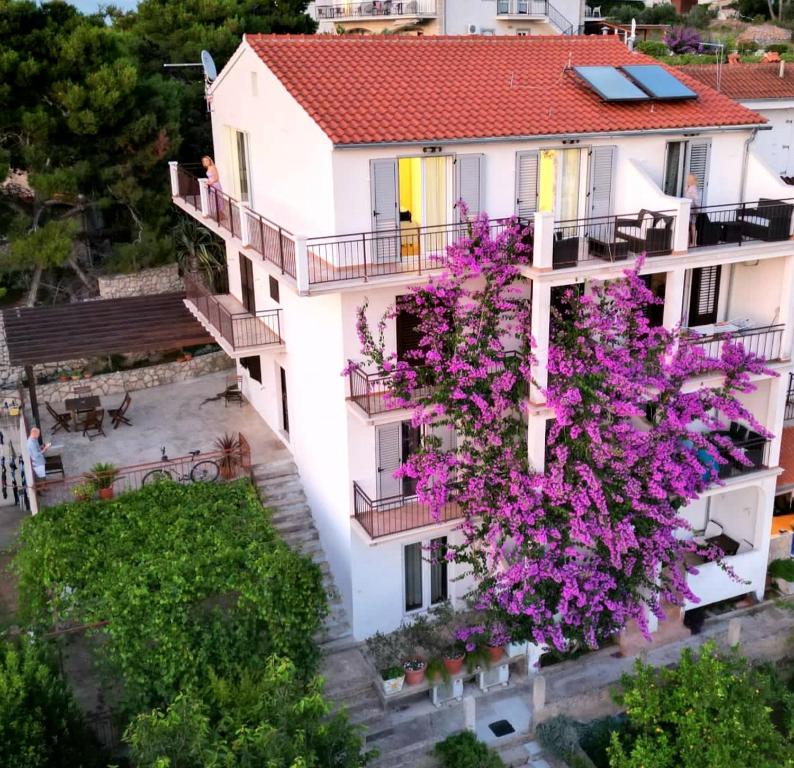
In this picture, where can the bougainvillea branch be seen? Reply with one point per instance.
(595, 538)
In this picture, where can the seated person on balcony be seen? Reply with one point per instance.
(691, 192)
(36, 453)
(213, 178)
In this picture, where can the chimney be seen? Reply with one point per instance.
(782, 71)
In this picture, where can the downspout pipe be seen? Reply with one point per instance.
(747, 142)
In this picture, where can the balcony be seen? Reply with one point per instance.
(764, 341)
(377, 9)
(764, 220)
(395, 514)
(522, 9)
(789, 412)
(238, 331)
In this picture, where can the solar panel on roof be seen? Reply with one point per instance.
(658, 82)
(610, 84)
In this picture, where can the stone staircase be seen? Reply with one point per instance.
(282, 493)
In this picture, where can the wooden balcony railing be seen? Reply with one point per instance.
(375, 9)
(395, 514)
(241, 330)
(764, 341)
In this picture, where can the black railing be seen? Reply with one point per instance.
(764, 341)
(242, 330)
(410, 249)
(789, 413)
(754, 448)
(376, 8)
(612, 238)
(736, 223)
(560, 21)
(537, 8)
(188, 185)
(395, 514)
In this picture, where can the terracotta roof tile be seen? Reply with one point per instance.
(374, 88)
(747, 81)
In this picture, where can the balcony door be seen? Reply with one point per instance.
(559, 182)
(683, 158)
(247, 292)
(704, 296)
(239, 153)
(395, 443)
(407, 332)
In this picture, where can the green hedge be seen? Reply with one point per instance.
(189, 578)
(462, 750)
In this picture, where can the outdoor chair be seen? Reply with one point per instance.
(61, 419)
(565, 251)
(769, 220)
(92, 426)
(234, 390)
(650, 232)
(117, 415)
(53, 465)
(708, 232)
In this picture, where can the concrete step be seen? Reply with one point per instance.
(266, 484)
(300, 537)
(273, 470)
(283, 491)
(289, 512)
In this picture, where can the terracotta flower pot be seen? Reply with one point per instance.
(495, 653)
(415, 676)
(63, 378)
(87, 374)
(454, 666)
(106, 493)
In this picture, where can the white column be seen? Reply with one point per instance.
(301, 266)
(204, 196)
(245, 234)
(787, 308)
(173, 165)
(541, 312)
(674, 297)
(774, 417)
(543, 246)
(681, 234)
(536, 441)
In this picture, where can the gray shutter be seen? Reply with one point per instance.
(601, 171)
(469, 182)
(385, 216)
(526, 184)
(698, 156)
(389, 460)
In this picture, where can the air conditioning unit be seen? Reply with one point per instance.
(472, 29)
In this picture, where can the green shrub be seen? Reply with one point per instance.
(747, 46)
(700, 16)
(778, 47)
(462, 750)
(40, 724)
(189, 578)
(561, 736)
(708, 712)
(782, 569)
(652, 48)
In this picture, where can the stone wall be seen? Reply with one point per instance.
(146, 282)
(137, 378)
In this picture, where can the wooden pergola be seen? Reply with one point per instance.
(53, 334)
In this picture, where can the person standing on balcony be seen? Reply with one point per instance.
(692, 193)
(36, 453)
(213, 182)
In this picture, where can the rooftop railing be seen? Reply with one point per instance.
(395, 514)
(241, 330)
(375, 9)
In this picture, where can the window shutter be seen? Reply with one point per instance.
(526, 184)
(385, 218)
(469, 178)
(413, 577)
(389, 460)
(698, 158)
(704, 295)
(601, 171)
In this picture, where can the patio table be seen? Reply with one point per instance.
(77, 404)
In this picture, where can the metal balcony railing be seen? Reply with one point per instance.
(241, 330)
(395, 514)
(375, 9)
(789, 413)
(735, 223)
(531, 8)
(764, 341)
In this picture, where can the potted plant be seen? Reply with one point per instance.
(188, 357)
(76, 375)
(62, 376)
(84, 491)
(102, 476)
(392, 679)
(87, 374)
(453, 657)
(229, 461)
(414, 670)
(497, 642)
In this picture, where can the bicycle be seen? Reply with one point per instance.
(204, 471)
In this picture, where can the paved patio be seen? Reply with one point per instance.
(182, 417)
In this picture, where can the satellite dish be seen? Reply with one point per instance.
(208, 65)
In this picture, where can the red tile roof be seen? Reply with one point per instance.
(393, 88)
(747, 81)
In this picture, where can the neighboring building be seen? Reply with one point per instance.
(449, 17)
(344, 158)
(767, 89)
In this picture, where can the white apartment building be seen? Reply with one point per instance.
(341, 160)
(450, 17)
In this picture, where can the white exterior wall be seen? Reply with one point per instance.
(776, 146)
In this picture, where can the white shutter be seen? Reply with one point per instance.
(385, 217)
(698, 156)
(446, 433)
(469, 178)
(526, 184)
(389, 459)
(601, 171)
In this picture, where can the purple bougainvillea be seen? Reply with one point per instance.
(572, 551)
(683, 40)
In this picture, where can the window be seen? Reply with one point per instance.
(685, 158)
(284, 408)
(406, 324)
(237, 147)
(704, 295)
(247, 292)
(657, 284)
(274, 289)
(413, 577)
(439, 589)
(253, 366)
(523, 33)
